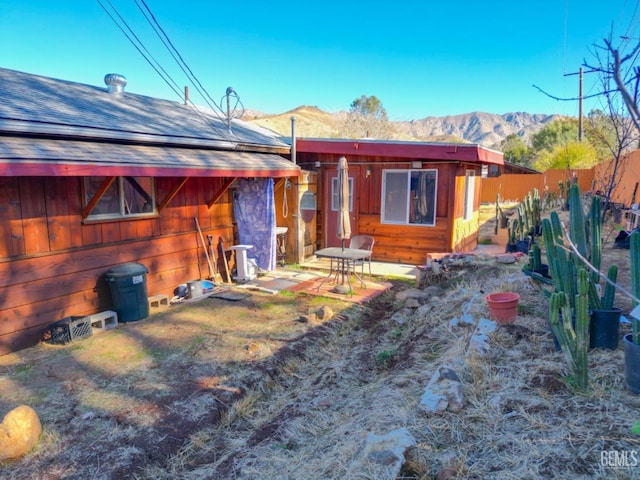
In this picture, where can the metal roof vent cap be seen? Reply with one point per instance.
(115, 82)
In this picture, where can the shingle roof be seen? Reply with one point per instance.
(57, 126)
(60, 106)
(21, 156)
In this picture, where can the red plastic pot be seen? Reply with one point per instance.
(503, 306)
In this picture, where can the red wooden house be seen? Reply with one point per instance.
(413, 198)
(94, 177)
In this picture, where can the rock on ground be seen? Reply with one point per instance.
(19, 432)
(444, 392)
(385, 451)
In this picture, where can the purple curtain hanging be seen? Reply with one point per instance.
(255, 214)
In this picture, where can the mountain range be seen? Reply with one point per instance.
(487, 129)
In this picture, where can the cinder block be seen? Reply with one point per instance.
(103, 321)
(158, 300)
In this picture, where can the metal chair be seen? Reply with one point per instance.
(363, 242)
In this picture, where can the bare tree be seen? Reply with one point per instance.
(621, 69)
(619, 78)
(612, 129)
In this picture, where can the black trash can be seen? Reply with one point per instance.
(128, 285)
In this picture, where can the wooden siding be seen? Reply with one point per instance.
(513, 188)
(307, 241)
(52, 265)
(465, 232)
(403, 243)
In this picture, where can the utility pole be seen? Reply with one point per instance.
(580, 95)
(580, 98)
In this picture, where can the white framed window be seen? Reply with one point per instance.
(126, 197)
(409, 197)
(334, 194)
(469, 191)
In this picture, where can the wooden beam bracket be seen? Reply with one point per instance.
(97, 196)
(174, 191)
(225, 186)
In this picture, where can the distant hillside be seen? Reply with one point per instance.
(486, 129)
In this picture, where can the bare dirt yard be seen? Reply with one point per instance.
(261, 388)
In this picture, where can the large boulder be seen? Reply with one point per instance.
(19, 432)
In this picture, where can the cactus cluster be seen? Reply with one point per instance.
(528, 223)
(585, 232)
(576, 277)
(574, 341)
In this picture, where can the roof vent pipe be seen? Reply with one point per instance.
(115, 82)
(293, 140)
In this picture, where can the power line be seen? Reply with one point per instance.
(159, 70)
(166, 41)
(139, 46)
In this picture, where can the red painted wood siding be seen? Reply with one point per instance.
(52, 265)
(395, 243)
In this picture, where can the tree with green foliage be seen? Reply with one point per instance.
(367, 118)
(369, 107)
(600, 130)
(556, 146)
(554, 134)
(515, 150)
(570, 156)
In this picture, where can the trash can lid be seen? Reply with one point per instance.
(127, 270)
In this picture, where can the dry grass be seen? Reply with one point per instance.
(239, 390)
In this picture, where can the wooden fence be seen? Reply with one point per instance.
(514, 187)
(628, 177)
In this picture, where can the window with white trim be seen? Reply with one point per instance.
(469, 191)
(126, 197)
(409, 197)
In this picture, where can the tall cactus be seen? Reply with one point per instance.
(610, 290)
(522, 222)
(533, 211)
(535, 258)
(574, 341)
(595, 225)
(577, 229)
(635, 280)
(498, 213)
(557, 228)
(561, 264)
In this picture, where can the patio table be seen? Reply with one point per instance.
(346, 259)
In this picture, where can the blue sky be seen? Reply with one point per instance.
(422, 58)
